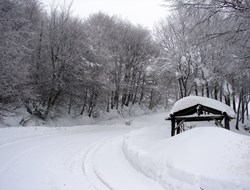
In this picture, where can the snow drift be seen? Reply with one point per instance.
(201, 158)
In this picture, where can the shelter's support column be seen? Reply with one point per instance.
(178, 127)
(172, 127)
(226, 121)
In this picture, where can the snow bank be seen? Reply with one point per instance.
(190, 101)
(201, 158)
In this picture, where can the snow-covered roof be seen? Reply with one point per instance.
(190, 101)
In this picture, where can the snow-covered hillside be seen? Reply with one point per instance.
(135, 154)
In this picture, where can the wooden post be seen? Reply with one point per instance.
(172, 126)
(179, 128)
(226, 121)
(227, 125)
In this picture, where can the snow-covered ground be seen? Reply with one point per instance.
(208, 158)
(128, 154)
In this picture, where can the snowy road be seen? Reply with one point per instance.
(72, 158)
(119, 155)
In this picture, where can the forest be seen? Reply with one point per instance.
(53, 63)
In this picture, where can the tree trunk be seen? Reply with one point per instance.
(142, 89)
(242, 107)
(70, 103)
(116, 98)
(39, 49)
(92, 103)
(238, 113)
(108, 103)
(247, 112)
(151, 99)
(221, 94)
(202, 90)
(228, 100)
(136, 89)
(54, 95)
(166, 101)
(234, 102)
(180, 87)
(129, 97)
(112, 98)
(233, 95)
(196, 89)
(207, 90)
(215, 93)
(84, 102)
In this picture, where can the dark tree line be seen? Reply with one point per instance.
(54, 63)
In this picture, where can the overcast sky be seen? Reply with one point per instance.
(144, 12)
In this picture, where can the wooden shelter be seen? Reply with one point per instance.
(195, 108)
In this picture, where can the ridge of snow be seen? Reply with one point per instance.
(205, 157)
(190, 101)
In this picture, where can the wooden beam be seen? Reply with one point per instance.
(211, 110)
(199, 118)
(193, 109)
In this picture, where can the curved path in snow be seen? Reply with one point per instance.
(74, 160)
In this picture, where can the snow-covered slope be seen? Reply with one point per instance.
(208, 158)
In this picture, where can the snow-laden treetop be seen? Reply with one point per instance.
(190, 101)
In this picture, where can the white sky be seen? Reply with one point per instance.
(144, 12)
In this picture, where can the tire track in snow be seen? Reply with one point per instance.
(89, 169)
(103, 179)
(14, 160)
(75, 163)
(24, 152)
(27, 150)
(69, 161)
(21, 140)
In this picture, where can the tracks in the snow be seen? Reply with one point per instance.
(107, 168)
(91, 160)
(90, 170)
